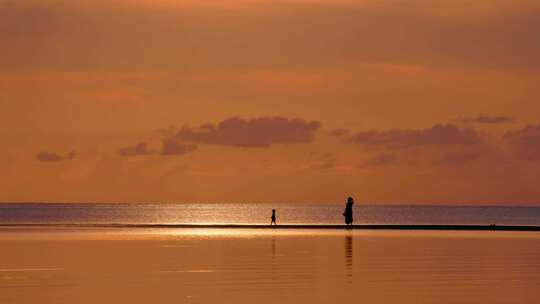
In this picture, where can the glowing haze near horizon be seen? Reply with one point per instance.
(270, 101)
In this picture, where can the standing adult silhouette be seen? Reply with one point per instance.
(348, 213)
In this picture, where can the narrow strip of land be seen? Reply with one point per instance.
(289, 226)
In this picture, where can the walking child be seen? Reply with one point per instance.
(273, 217)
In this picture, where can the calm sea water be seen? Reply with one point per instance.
(269, 266)
(64, 265)
(157, 213)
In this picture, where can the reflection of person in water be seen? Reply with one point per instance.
(348, 255)
(348, 213)
(273, 217)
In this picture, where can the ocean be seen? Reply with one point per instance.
(252, 213)
(138, 265)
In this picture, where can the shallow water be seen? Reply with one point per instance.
(254, 266)
(249, 213)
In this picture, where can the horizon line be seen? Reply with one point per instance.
(370, 204)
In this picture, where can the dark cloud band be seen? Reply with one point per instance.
(45, 156)
(250, 133)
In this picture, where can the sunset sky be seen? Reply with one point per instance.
(304, 101)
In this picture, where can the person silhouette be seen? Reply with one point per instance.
(273, 217)
(348, 213)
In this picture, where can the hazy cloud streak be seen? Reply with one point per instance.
(45, 156)
(137, 150)
(440, 134)
(486, 119)
(175, 147)
(525, 142)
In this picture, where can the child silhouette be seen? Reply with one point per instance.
(273, 217)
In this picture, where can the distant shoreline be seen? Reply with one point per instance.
(287, 226)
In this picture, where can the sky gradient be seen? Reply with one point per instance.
(307, 101)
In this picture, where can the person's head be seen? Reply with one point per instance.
(273, 210)
(350, 200)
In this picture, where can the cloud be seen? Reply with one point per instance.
(459, 158)
(429, 157)
(525, 142)
(442, 144)
(258, 132)
(440, 134)
(45, 156)
(137, 150)
(172, 146)
(339, 132)
(486, 119)
(382, 159)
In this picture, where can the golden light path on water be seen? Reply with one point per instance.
(208, 233)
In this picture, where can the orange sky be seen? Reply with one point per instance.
(270, 101)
